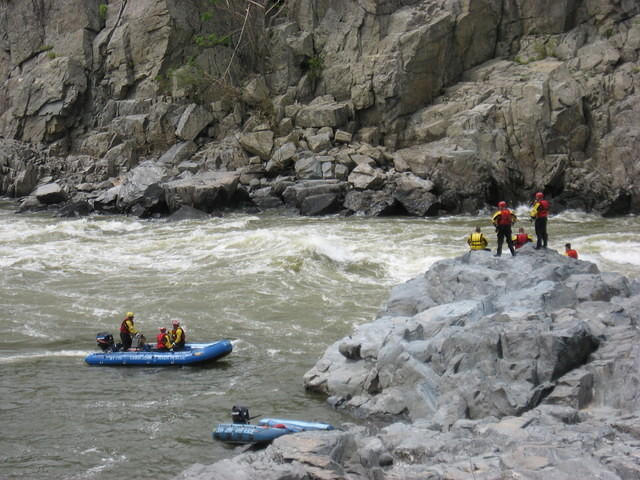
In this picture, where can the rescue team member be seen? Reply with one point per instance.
(477, 240)
(163, 340)
(539, 214)
(177, 336)
(570, 252)
(127, 329)
(521, 238)
(503, 219)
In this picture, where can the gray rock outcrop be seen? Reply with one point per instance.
(482, 368)
(484, 100)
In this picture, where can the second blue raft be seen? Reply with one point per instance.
(266, 430)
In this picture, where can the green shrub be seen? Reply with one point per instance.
(313, 65)
(102, 10)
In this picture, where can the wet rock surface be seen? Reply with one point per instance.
(484, 368)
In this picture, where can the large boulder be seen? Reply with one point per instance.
(207, 191)
(495, 345)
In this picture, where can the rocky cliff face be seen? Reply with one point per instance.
(482, 368)
(368, 106)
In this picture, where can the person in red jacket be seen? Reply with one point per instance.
(570, 252)
(163, 340)
(502, 220)
(127, 329)
(540, 213)
(521, 238)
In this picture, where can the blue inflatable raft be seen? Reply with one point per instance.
(192, 354)
(266, 430)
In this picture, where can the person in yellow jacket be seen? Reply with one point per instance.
(127, 329)
(502, 220)
(178, 338)
(477, 240)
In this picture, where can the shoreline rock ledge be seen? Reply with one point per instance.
(481, 368)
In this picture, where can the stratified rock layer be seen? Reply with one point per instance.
(483, 100)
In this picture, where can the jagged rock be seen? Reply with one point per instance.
(194, 119)
(185, 212)
(259, 143)
(310, 168)
(50, 193)
(414, 194)
(323, 112)
(135, 184)
(295, 195)
(256, 91)
(322, 204)
(207, 191)
(371, 203)
(133, 128)
(416, 361)
(365, 177)
(500, 392)
(76, 208)
(178, 153)
(226, 154)
(342, 137)
(282, 158)
(265, 198)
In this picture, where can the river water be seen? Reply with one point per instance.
(282, 288)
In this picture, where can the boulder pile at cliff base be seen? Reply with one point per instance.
(481, 368)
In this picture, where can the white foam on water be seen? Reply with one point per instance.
(624, 253)
(44, 354)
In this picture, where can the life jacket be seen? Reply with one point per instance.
(162, 340)
(125, 328)
(540, 209)
(477, 241)
(179, 339)
(572, 253)
(521, 239)
(504, 217)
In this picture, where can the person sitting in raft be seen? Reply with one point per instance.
(477, 240)
(521, 238)
(163, 340)
(177, 336)
(570, 252)
(127, 329)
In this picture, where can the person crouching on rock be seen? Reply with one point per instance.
(502, 220)
(127, 329)
(477, 240)
(163, 340)
(177, 336)
(570, 252)
(521, 238)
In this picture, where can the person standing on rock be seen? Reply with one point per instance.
(502, 220)
(539, 214)
(477, 240)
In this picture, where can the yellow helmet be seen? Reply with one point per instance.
(129, 314)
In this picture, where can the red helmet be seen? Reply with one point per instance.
(539, 195)
(175, 323)
(502, 204)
